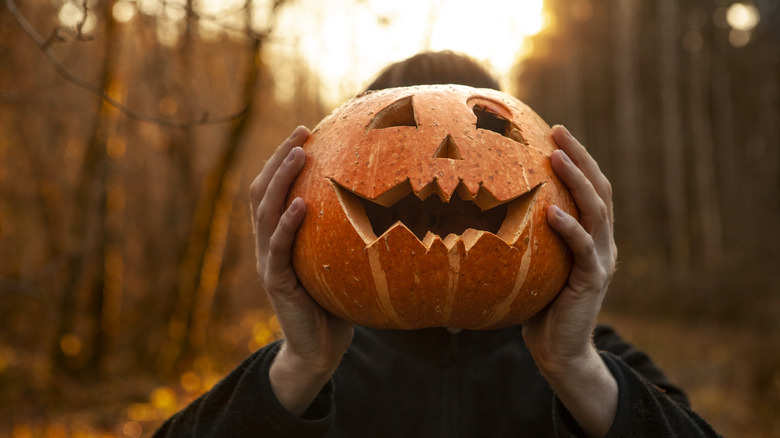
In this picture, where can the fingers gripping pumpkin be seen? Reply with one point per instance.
(426, 206)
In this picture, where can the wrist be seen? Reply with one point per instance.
(296, 382)
(565, 367)
(319, 366)
(587, 389)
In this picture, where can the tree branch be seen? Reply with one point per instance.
(44, 46)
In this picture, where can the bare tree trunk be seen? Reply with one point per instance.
(572, 93)
(88, 260)
(78, 242)
(113, 237)
(672, 139)
(769, 164)
(180, 204)
(732, 188)
(628, 139)
(705, 185)
(104, 289)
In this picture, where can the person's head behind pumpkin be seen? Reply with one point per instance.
(431, 68)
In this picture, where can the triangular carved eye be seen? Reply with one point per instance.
(491, 121)
(398, 113)
(448, 149)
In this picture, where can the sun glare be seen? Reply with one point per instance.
(348, 42)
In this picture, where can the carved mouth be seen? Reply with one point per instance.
(459, 216)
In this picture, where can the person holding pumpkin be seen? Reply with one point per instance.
(557, 374)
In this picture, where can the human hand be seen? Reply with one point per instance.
(559, 337)
(561, 333)
(314, 339)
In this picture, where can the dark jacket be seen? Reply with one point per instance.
(430, 383)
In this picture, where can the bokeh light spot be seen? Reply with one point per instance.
(742, 16)
(70, 344)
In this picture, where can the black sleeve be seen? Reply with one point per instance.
(648, 404)
(606, 339)
(243, 404)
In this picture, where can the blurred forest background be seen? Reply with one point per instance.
(130, 130)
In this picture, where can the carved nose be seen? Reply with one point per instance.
(448, 149)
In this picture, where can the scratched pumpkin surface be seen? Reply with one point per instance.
(426, 207)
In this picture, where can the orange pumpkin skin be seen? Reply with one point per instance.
(468, 152)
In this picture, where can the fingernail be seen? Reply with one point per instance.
(295, 205)
(297, 132)
(293, 152)
(566, 131)
(559, 212)
(565, 156)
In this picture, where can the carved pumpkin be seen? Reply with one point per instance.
(426, 207)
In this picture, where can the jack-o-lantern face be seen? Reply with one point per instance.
(426, 207)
